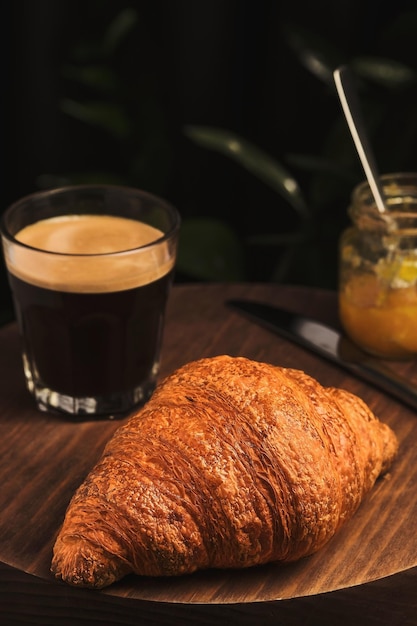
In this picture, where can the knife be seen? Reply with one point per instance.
(329, 343)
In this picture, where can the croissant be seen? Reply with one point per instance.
(232, 463)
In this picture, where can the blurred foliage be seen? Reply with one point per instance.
(310, 186)
(388, 91)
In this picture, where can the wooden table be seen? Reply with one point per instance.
(366, 574)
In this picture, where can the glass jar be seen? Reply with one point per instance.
(378, 269)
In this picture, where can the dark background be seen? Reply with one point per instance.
(219, 63)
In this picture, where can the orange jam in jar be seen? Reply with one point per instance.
(378, 270)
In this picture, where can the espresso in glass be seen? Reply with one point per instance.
(90, 288)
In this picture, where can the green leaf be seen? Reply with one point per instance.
(314, 53)
(108, 116)
(254, 160)
(386, 72)
(87, 51)
(209, 250)
(118, 29)
(319, 165)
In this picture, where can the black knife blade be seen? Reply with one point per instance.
(329, 343)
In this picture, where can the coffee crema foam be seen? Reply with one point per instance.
(89, 254)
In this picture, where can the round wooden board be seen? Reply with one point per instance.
(43, 458)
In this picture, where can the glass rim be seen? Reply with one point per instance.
(398, 177)
(4, 231)
(397, 186)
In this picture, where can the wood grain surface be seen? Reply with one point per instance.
(370, 565)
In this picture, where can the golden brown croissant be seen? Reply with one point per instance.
(232, 463)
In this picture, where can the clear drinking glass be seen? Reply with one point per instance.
(90, 269)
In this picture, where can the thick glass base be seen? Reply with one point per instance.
(112, 406)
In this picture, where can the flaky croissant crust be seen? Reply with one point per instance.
(232, 463)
